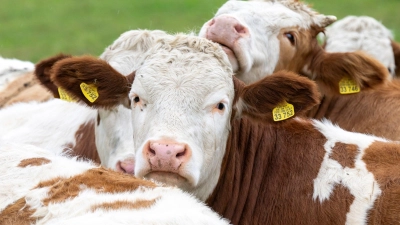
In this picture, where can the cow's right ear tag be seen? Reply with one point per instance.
(348, 86)
(283, 111)
(89, 91)
(64, 95)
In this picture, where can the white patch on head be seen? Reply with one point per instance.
(358, 180)
(257, 50)
(179, 84)
(354, 33)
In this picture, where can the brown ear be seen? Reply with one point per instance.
(42, 73)
(112, 87)
(396, 51)
(330, 68)
(259, 99)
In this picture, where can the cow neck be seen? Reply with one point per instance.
(369, 111)
(268, 173)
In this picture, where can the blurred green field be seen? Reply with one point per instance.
(33, 30)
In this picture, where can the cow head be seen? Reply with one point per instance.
(113, 129)
(262, 37)
(182, 98)
(355, 33)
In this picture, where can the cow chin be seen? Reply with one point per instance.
(232, 58)
(169, 179)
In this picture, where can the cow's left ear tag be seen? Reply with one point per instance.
(283, 111)
(89, 91)
(64, 95)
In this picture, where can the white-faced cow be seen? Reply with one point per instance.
(361, 33)
(261, 37)
(197, 127)
(40, 187)
(102, 135)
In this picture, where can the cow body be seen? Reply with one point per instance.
(41, 187)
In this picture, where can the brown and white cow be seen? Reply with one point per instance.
(261, 37)
(197, 127)
(362, 33)
(43, 188)
(102, 135)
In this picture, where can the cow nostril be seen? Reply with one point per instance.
(152, 151)
(180, 154)
(240, 29)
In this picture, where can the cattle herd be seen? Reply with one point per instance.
(252, 121)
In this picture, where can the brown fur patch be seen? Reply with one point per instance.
(99, 179)
(260, 98)
(139, 204)
(42, 72)
(267, 176)
(33, 162)
(85, 145)
(382, 159)
(112, 87)
(396, 51)
(345, 154)
(17, 213)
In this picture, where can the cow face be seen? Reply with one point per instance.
(181, 105)
(261, 37)
(182, 98)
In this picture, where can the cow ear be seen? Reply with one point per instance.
(259, 99)
(329, 69)
(92, 80)
(42, 73)
(396, 51)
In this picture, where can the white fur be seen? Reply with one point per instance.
(364, 33)
(258, 53)
(185, 118)
(358, 180)
(172, 206)
(11, 69)
(52, 125)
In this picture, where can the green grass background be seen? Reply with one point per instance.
(36, 29)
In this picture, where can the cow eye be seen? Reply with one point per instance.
(220, 106)
(290, 37)
(390, 70)
(136, 99)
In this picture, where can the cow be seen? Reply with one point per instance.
(101, 135)
(262, 37)
(197, 127)
(355, 33)
(10, 69)
(41, 187)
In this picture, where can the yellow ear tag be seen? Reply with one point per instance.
(348, 86)
(64, 95)
(283, 111)
(89, 91)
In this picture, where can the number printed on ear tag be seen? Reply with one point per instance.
(65, 96)
(348, 86)
(283, 111)
(89, 91)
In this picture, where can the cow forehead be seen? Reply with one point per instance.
(277, 14)
(188, 64)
